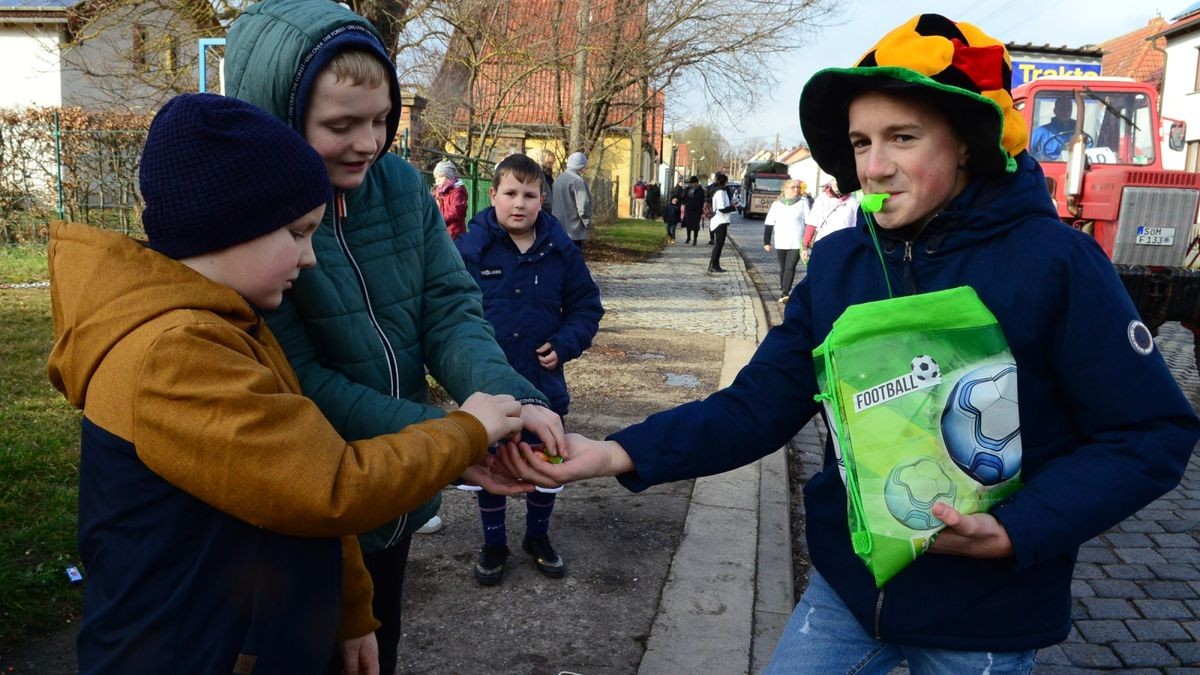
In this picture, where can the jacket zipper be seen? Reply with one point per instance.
(878, 614)
(339, 215)
(910, 281)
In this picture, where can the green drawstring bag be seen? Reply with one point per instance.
(921, 394)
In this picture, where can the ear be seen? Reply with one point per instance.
(964, 155)
(492, 194)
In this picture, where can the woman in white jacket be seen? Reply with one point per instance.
(785, 220)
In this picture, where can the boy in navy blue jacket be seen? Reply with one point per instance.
(540, 297)
(926, 119)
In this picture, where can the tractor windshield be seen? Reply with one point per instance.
(1116, 126)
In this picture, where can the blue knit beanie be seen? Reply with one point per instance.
(217, 172)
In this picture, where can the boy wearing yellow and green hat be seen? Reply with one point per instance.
(924, 125)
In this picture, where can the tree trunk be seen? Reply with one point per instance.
(388, 17)
(579, 78)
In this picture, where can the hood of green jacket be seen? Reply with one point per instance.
(276, 48)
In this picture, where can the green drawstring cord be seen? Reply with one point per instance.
(860, 537)
(870, 204)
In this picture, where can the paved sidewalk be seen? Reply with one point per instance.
(729, 590)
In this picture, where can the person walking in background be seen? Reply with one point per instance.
(926, 119)
(390, 298)
(672, 214)
(678, 190)
(571, 203)
(639, 199)
(548, 172)
(785, 224)
(217, 505)
(707, 211)
(718, 225)
(514, 245)
(832, 211)
(451, 196)
(693, 209)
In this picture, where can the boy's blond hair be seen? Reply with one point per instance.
(359, 67)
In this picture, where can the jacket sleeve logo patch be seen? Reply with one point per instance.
(491, 272)
(1140, 338)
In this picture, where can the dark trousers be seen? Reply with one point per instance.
(579, 243)
(671, 230)
(788, 259)
(718, 235)
(387, 573)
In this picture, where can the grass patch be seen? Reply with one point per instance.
(626, 240)
(39, 467)
(21, 263)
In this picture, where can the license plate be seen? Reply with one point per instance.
(1155, 236)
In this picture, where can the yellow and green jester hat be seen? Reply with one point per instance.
(967, 75)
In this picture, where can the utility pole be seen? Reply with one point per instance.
(776, 155)
(579, 78)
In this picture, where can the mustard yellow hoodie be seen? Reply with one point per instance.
(187, 396)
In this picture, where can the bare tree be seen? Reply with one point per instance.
(731, 57)
(602, 64)
(135, 54)
(491, 57)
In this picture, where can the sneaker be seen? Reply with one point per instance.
(489, 571)
(432, 525)
(545, 557)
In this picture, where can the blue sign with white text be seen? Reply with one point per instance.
(1024, 72)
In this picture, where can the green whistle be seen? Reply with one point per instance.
(873, 203)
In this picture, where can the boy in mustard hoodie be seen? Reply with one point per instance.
(216, 503)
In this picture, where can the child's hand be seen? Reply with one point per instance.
(489, 475)
(500, 415)
(978, 535)
(585, 459)
(547, 356)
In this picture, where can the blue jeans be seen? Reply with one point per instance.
(824, 637)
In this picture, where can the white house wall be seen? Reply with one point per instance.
(808, 171)
(1180, 100)
(32, 66)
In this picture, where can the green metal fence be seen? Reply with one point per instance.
(82, 175)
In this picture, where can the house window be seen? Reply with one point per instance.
(1196, 84)
(1192, 163)
(138, 49)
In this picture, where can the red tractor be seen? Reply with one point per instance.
(1099, 143)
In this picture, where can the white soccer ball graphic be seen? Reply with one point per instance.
(913, 488)
(925, 369)
(981, 425)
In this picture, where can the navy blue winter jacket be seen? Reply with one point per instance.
(545, 294)
(1104, 428)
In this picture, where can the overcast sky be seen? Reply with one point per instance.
(1073, 23)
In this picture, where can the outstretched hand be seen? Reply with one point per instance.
(489, 475)
(978, 535)
(584, 458)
